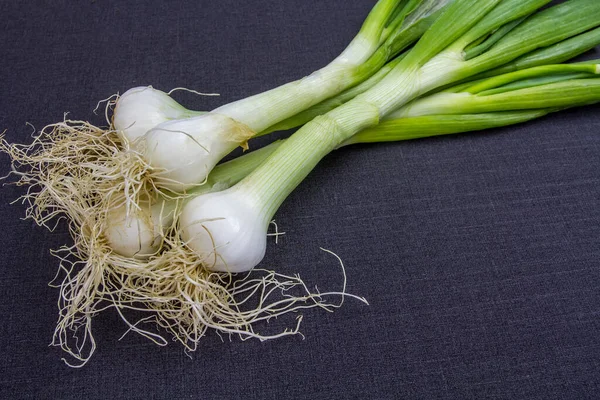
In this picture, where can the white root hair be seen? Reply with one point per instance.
(76, 171)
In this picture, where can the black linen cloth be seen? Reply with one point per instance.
(479, 253)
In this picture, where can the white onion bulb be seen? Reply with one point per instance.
(225, 230)
(142, 108)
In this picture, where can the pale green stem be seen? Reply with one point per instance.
(329, 104)
(436, 125)
(554, 54)
(260, 111)
(235, 170)
(278, 176)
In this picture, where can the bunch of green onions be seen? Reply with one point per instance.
(158, 226)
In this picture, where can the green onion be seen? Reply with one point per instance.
(183, 151)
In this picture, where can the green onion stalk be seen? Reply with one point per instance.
(184, 148)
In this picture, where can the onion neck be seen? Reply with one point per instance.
(269, 185)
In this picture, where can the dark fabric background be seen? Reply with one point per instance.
(478, 253)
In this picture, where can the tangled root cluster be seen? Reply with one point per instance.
(79, 172)
(73, 167)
